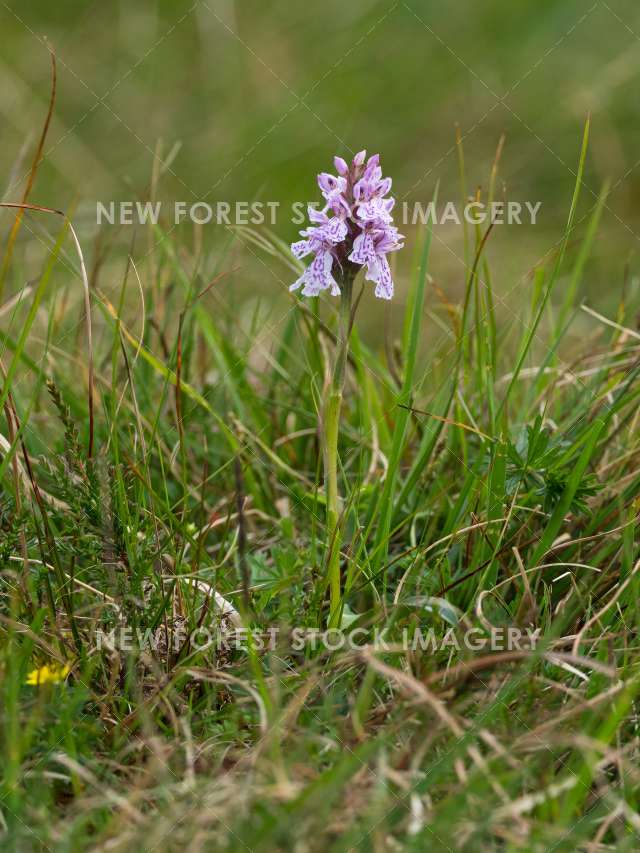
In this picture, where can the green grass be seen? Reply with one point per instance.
(176, 77)
(489, 478)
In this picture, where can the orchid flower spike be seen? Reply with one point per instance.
(354, 227)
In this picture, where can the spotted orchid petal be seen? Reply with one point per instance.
(355, 225)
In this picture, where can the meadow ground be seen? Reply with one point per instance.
(193, 654)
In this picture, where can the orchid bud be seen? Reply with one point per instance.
(359, 159)
(341, 165)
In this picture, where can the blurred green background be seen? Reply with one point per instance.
(259, 96)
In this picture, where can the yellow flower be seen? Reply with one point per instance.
(48, 674)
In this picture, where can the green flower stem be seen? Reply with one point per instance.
(333, 406)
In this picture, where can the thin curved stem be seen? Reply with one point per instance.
(87, 299)
(333, 406)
